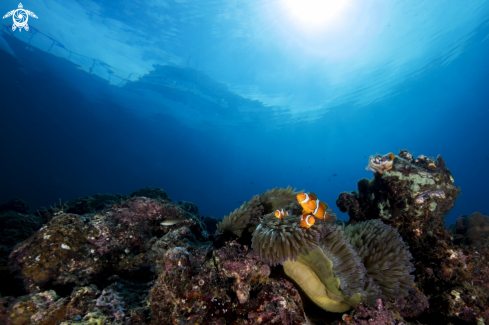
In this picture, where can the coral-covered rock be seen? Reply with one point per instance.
(414, 196)
(73, 249)
(15, 227)
(138, 261)
(118, 303)
(199, 292)
(15, 205)
(463, 285)
(92, 203)
(412, 305)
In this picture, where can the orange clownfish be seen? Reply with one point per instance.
(311, 204)
(307, 220)
(307, 201)
(321, 211)
(281, 213)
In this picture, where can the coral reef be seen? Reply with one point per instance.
(120, 265)
(71, 248)
(189, 207)
(145, 260)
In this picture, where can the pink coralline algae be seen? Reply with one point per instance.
(412, 305)
(369, 315)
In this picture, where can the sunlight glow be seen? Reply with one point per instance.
(314, 13)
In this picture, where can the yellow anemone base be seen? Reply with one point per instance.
(313, 272)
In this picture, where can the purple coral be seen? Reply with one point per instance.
(369, 315)
(413, 304)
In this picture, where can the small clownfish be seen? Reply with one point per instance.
(307, 220)
(281, 213)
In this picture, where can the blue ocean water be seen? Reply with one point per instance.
(216, 101)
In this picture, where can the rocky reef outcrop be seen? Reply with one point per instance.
(413, 195)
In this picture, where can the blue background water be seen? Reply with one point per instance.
(218, 101)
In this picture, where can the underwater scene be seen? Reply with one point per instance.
(244, 162)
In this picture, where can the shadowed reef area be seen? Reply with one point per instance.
(276, 259)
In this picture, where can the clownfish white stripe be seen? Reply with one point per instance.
(317, 207)
(306, 199)
(308, 221)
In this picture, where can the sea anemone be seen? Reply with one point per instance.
(385, 256)
(347, 265)
(246, 216)
(332, 275)
(276, 240)
(278, 198)
(337, 267)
